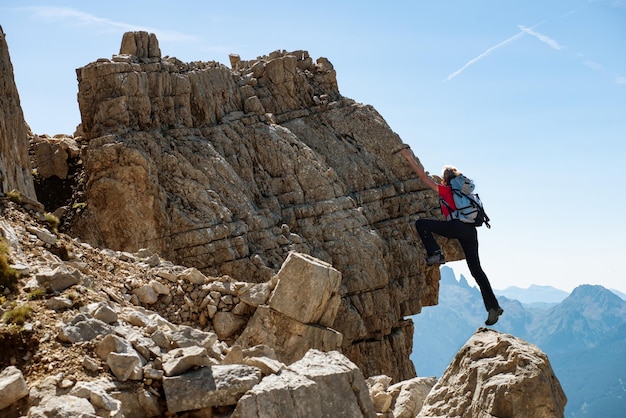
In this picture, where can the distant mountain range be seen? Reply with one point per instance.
(583, 334)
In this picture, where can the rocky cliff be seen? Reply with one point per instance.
(15, 172)
(288, 221)
(229, 169)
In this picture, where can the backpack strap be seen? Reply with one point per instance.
(450, 210)
(483, 214)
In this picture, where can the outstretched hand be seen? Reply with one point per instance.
(407, 153)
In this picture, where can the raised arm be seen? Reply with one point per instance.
(419, 170)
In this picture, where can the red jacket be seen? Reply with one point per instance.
(445, 194)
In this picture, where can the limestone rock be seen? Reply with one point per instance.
(340, 383)
(59, 279)
(496, 374)
(229, 170)
(97, 394)
(15, 170)
(410, 395)
(209, 386)
(307, 290)
(52, 155)
(82, 328)
(180, 360)
(63, 406)
(140, 44)
(320, 385)
(12, 386)
(286, 394)
(289, 338)
(101, 311)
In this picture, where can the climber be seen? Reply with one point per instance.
(452, 228)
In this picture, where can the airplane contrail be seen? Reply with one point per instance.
(484, 54)
(543, 38)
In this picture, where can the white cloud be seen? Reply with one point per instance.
(620, 80)
(80, 18)
(593, 65)
(543, 38)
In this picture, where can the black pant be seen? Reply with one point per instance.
(468, 237)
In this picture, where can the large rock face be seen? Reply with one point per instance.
(14, 163)
(228, 170)
(496, 375)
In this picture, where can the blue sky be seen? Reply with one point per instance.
(526, 97)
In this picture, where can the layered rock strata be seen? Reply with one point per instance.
(228, 170)
(15, 171)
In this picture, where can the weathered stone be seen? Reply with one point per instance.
(289, 338)
(82, 328)
(180, 360)
(52, 155)
(12, 386)
(43, 234)
(140, 44)
(58, 303)
(255, 294)
(186, 336)
(496, 374)
(59, 279)
(64, 406)
(265, 364)
(96, 393)
(192, 275)
(227, 324)
(234, 356)
(314, 173)
(307, 290)
(159, 287)
(340, 382)
(101, 311)
(15, 170)
(410, 395)
(146, 294)
(320, 385)
(90, 364)
(209, 386)
(286, 394)
(125, 366)
(113, 344)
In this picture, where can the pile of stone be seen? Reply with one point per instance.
(283, 356)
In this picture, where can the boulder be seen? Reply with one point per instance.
(82, 328)
(497, 374)
(319, 385)
(59, 278)
(12, 386)
(209, 386)
(307, 290)
(289, 338)
(63, 406)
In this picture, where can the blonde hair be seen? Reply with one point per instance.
(449, 172)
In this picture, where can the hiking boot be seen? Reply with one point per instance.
(436, 258)
(493, 316)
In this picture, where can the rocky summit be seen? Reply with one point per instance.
(225, 241)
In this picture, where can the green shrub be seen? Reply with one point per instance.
(38, 293)
(53, 221)
(17, 315)
(15, 196)
(8, 276)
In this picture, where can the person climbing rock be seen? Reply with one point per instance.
(452, 227)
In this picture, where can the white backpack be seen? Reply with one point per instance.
(469, 208)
